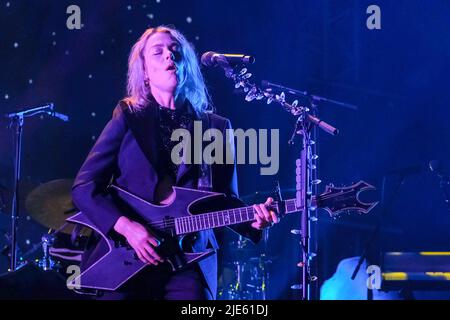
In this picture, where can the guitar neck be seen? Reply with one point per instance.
(216, 219)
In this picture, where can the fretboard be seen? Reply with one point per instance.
(216, 219)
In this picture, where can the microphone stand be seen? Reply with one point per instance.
(16, 124)
(307, 179)
(304, 165)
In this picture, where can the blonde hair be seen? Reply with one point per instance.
(192, 84)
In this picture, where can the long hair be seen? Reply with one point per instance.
(191, 84)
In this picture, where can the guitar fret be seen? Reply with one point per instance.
(221, 216)
(250, 215)
(185, 229)
(180, 220)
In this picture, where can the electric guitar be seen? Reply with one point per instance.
(192, 211)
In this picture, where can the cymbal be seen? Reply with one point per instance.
(50, 204)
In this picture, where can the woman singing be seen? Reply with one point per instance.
(166, 91)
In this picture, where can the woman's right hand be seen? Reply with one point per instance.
(139, 239)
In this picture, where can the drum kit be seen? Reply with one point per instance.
(49, 204)
(246, 274)
(42, 269)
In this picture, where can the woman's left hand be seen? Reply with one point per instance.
(264, 217)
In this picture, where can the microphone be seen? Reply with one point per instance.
(58, 115)
(211, 59)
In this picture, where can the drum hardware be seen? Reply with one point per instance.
(47, 262)
(249, 270)
(50, 204)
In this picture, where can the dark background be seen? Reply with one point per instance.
(397, 76)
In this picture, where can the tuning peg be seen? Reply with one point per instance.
(313, 278)
(316, 181)
(314, 157)
(300, 264)
(313, 167)
(243, 71)
(311, 142)
(313, 219)
(296, 287)
(296, 231)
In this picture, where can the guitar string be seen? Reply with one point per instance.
(171, 223)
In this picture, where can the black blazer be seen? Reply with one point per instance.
(126, 153)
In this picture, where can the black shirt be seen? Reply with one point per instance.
(169, 121)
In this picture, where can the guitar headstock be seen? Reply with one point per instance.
(336, 200)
